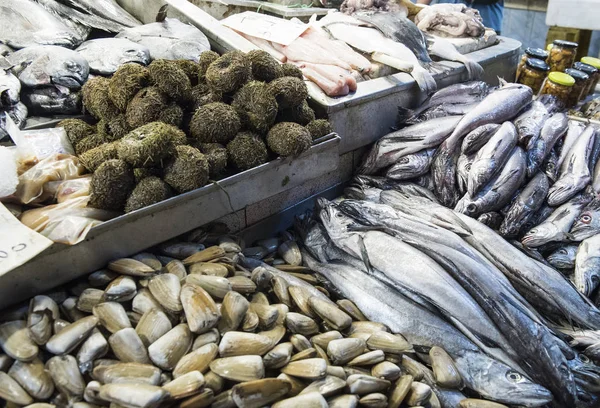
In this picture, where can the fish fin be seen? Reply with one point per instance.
(473, 68)
(502, 82)
(424, 80)
(162, 13)
(404, 115)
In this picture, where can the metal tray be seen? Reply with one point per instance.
(138, 230)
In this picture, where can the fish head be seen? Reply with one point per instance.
(70, 72)
(562, 258)
(335, 221)
(366, 212)
(586, 372)
(587, 225)
(539, 235)
(136, 53)
(586, 280)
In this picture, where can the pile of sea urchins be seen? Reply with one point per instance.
(168, 128)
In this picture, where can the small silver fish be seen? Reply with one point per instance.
(588, 222)
(411, 166)
(538, 149)
(587, 265)
(525, 205)
(478, 137)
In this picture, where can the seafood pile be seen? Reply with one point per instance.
(221, 326)
(518, 165)
(517, 330)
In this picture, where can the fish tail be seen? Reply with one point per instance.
(425, 80)
(473, 68)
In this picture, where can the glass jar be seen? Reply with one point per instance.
(537, 53)
(533, 74)
(581, 84)
(558, 84)
(562, 55)
(594, 62)
(591, 71)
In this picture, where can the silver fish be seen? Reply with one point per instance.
(463, 166)
(526, 204)
(105, 55)
(395, 145)
(410, 166)
(440, 111)
(549, 168)
(587, 265)
(575, 173)
(557, 226)
(478, 137)
(382, 183)
(108, 9)
(169, 39)
(51, 100)
(596, 171)
(23, 23)
(80, 21)
(540, 216)
(500, 189)
(563, 257)
(529, 123)
(10, 87)
(491, 157)
(538, 149)
(575, 129)
(49, 65)
(440, 47)
(491, 219)
(588, 222)
(499, 106)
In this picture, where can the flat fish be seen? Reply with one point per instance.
(79, 20)
(51, 100)
(169, 39)
(105, 55)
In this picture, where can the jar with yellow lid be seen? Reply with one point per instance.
(562, 55)
(581, 83)
(536, 53)
(533, 74)
(594, 62)
(558, 84)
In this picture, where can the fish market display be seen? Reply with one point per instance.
(519, 166)
(207, 321)
(105, 55)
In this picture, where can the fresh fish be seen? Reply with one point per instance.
(550, 168)
(105, 55)
(80, 21)
(499, 106)
(575, 173)
(478, 137)
(587, 265)
(440, 111)
(498, 192)
(491, 158)
(45, 65)
(357, 192)
(529, 123)
(596, 175)
(491, 219)
(552, 103)
(486, 376)
(24, 23)
(575, 129)
(410, 188)
(10, 88)
(540, 216)
(530, 252)
(557, 226)
(588, 222)
(463, 166)
(51, 100)
(17, 113)
(457, 94)
(169, 39)
(595, 154)
(411, 166)
(563, 257)
(529, 200)
(440, 47)
(538, 149)
(395, 145)
(108, 9)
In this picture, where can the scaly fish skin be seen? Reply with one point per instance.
(587, 265)
(526, 204)
(564, 257)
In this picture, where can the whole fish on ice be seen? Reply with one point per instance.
(105, 55)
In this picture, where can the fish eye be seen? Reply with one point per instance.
(403, 160)
(339, 215)
(562, 251)
(584, 359)
(471, 208)
(468, 167)
(513, 376)
(586, 219)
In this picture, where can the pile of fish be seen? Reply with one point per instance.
(193, 327)
(516, 164)
(517, 331)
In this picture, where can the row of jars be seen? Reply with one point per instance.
(569, 80)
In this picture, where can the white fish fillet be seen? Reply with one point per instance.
(339, 48)
(327, 80)
(302, 49)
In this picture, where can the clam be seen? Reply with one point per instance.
(166, 289)
(280, 288)
(216, 286)
(205, 255)
(242, 284)
(300, 296)
(112, 316)
(197, 360)
(327, 311)
(71, 336)
(58, 325)
(168, 350)
(121, 289)
(297, 384)
(343, 401)
(386, 370)
(211, 336)
(213, 381)
(258, 393)
(233, 311)
(388, 343)
(368, 359)
(187, 385)
(177, 268)
(15, 341)
(70, 311)
(414, 368)
(275, 334)
(322, 340)
(66, 376)
(224, 400)
(200, 309)
(148, 259)
(229, 244)
(342, 351)
(304, 354)
(309, 400)
(278, 356)
(94, 347)
(365, 384)
(134, 395)
(336, 371)
(235, 343)
(418, 394)
(42, 313)
(367, 327)
(153, 325)
(89, 298)
(300, 324)
(400, 390)
(267, 315)
(349, 307)
(33, 377)
(5, 362)
(127, 373)
(260, 298)
(239, 368)
(311, 369)
(132, 267)
(11, 391)
(201, 400)
(374, 400)
(134, 318)
(356, 370)
(101, 278)
(250, 322)
(478, 403)
(300, 342)
(434, 401)
(327, 387)
(282, 310)
(209, 269)
(444, 371)
(128, 347)
(290, 252)
(144, 301)
(262, 278)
